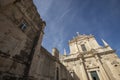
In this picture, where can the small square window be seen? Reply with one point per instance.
(23, 26)
(83, 47)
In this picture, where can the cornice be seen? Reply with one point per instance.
(88, 55)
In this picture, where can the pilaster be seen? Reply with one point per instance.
(102, 70)
(83, 70)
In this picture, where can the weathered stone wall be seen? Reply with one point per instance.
(47, 68)
(20, 29)
(21, 55)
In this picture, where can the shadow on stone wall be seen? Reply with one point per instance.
(76, 77)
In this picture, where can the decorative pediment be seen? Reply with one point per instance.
(91, 64)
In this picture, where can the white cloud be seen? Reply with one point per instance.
(55, 31)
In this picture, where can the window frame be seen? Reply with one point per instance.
(94, 75)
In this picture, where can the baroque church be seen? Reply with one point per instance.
(90, 61)
(22, 57)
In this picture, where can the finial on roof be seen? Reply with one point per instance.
(104, 42)
(77, 33)
(65, 52)
(73, 37)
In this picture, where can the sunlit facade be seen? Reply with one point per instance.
(90, 61)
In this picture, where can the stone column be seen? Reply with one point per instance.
(99, 75)
(102, 70)
(89, 75)
(83, 70)
(36, 53)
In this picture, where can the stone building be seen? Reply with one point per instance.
(49, 67)
(90, 61)
(21, 32)
(23, 58)
(21, 54)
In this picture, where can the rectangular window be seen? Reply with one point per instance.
(94, 75)
(83, 47)
(23, 26)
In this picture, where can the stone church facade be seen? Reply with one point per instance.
(90, 61)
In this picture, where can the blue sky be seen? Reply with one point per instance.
(66, 17)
